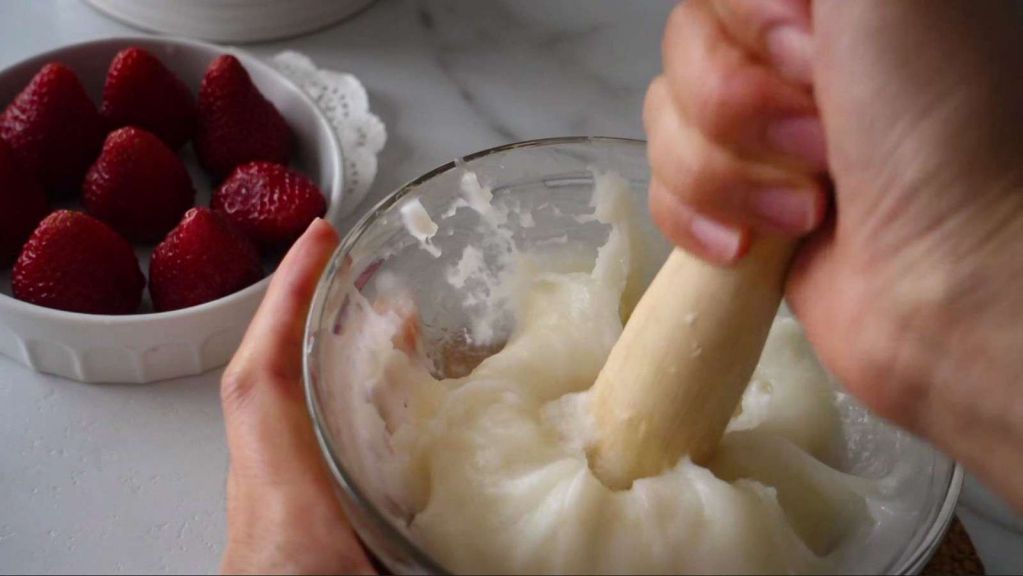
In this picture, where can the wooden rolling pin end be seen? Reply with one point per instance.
(677, 373)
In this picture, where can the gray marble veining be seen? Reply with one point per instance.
(450, 78)
(131, 478)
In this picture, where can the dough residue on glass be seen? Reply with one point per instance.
(489, 473)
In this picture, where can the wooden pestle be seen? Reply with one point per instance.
(677, 373)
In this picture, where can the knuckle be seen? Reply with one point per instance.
(685, 32)
(657, 96)
(714, 182)
(701, 176)
(236, 386)
(731, 100)
(667, 215)
(679, 17)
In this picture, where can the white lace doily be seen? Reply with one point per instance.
(344, 102)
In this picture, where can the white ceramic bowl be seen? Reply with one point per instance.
(230, 20)
(155, 346)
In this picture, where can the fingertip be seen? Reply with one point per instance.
(656, 99)
(310, 250)
(321, 224)
(322, 230)
(792, 211)
(709, 239)
(721, 243)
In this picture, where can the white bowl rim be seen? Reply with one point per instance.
(335, 187)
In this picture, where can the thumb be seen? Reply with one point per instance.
(282, 512)
(268, 428)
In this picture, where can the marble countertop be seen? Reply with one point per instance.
(131, 478)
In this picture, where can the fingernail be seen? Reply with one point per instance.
(721, 242)
(802, 137)
(791, 51)
(785, 208)
(321, 224)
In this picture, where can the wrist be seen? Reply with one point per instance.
(973, 407)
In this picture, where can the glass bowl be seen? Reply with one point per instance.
(551, 179)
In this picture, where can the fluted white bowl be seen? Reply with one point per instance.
(230, 20)
(152, 346)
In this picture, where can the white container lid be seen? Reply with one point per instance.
(230, 20)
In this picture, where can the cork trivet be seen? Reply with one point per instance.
(956, 555)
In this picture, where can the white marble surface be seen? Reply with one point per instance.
(131, 478)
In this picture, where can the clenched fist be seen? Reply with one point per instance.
(890, 136)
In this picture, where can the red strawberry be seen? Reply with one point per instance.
(236, 123)
(270, 203)
(202, 259)
(74, 262)
(22, 205)
(138, 186)
(141, 91)
(54, 129)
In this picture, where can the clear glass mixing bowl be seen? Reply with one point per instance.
(553, 180)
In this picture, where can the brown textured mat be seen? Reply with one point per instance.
(956, 554)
